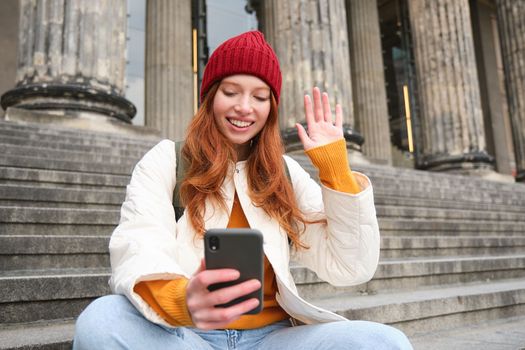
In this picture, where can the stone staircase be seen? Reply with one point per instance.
(453, 247)
(453, 253)
(60, 195)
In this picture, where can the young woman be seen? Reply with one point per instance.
(236, 177)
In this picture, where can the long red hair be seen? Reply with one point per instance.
(208, 154)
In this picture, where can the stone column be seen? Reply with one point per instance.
(311, 40)
(169, 74)
(451, 115)
(368, 79)
(511, 23)
(72, 57)
(9, 10)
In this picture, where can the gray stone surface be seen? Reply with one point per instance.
(311, 41)
(451, 114)
(453, 248)
(53, 229)
(27, 195)
(59, 216)
(55, 178)
(36, 130)
(56, 71)
(38, 336)
(428, 308)
(411, 274)
(503, 334)
(169, 67)
(55, 164)
(511, 16)
(8, 42)
(368, 79)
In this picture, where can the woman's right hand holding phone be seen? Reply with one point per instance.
(201, 302)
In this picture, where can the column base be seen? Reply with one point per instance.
(457, 163)
(520, 177)
(76, 97)
(79, 120)
(292, 143)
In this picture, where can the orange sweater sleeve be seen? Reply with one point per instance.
(334, 170)
(168, 299)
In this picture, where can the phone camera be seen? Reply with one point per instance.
(214, 243)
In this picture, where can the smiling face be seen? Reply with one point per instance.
(241, 107)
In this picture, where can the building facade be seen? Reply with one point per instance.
(432, 84)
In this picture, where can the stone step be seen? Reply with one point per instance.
(77, 141)
(417, 176)
(382, 200)
(66, 155)
(31, 251)
(55, 335)
(18, 229)
(399, 177)
(50, 178)
(427, 246)
(391, 211)
(53, 252)
(58, 216)
(428, 227)
(23, 196)
(422, 176)
(114, 150)
(30, 196)
(423, 310)
(389, 177)
(23, 216)
(450, 182)
(505, 333)
(439, 187)
(65, 165)
(24, 292)
(36, 295)
(517, 199)
(411, 274)
(54, 178)
(71, 134)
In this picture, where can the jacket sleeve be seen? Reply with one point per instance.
(345, 250)
(143, 246)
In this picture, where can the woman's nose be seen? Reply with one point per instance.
(243, 106)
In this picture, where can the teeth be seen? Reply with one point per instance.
(240, 123)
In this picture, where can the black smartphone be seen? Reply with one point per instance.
(239, 249)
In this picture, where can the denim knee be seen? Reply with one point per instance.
(94, 323)
(387, 337)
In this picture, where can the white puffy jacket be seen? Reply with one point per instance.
(149, 244)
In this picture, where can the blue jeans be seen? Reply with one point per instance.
(112, 322)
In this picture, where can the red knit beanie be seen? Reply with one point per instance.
(247, 53)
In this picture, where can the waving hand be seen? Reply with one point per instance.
(321, 129)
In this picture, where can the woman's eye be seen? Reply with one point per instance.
(262, 98)
(228, 93)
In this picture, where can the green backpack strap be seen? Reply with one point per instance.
(180, 170)
(287, 172)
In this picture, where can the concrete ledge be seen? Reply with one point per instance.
(427, 309)
(56, 335)
(55, 164)
(59, 216)
(16, 229)
(79, 120)
(45, 177)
